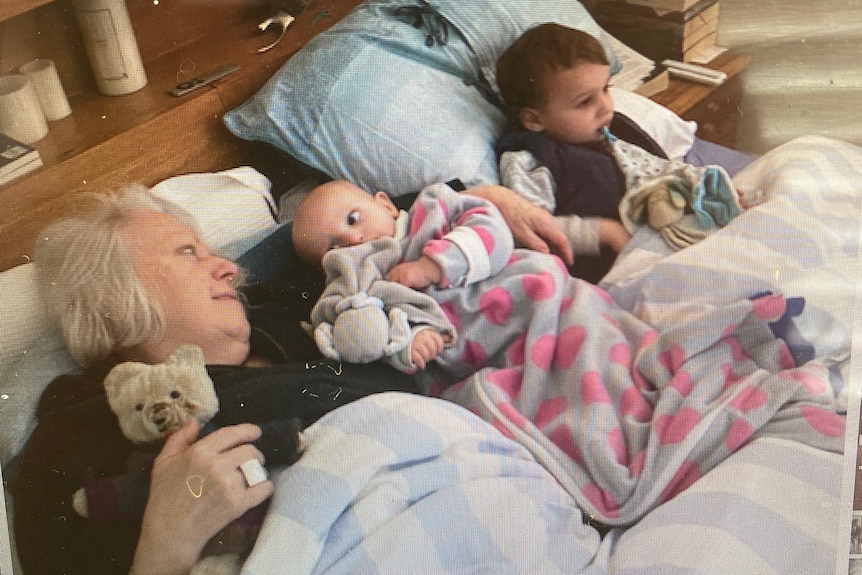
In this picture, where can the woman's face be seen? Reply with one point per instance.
(192, 286)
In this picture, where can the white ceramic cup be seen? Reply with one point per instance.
(43, 75)
(21, 114)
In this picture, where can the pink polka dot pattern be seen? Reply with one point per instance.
(562, 437)
(620, 354)
(443, 215)
(749, 399)
(601, 499)
(685, 476)
(634, 406)
(497, 305)
(542, 351)
(737, 352)
(785, 358)
(605, 296)
(512, 415)
(486, 238)
(728, 331)
(681, 382)
(636, 465)
(593, 389)
(464, 218)
(673, 358)
(675, 428)
(453, 316)
(508, 381)
(417, 219)
(769, 307)
(809, 381)
(549, 410)
(474, 354)
(823, 421)
(731, 378)
(569, 346)
(516, 354)
(538, 286)
(436, 247)
(739, 433)
(617, 443)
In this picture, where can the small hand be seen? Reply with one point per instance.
(418, 274)
(613, 234)
(427, 344)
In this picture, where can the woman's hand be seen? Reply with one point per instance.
(532, 227)
(196, 489)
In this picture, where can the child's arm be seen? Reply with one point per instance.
(586, 236)
(613, 234)
(418, 274)
(469, 239)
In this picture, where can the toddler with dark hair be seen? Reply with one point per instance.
(570, 152)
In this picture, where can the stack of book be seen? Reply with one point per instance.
(661, 29)
(637, 72)
(16, 159)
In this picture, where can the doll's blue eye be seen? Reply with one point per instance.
(353, 218)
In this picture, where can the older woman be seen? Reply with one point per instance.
(128, 281)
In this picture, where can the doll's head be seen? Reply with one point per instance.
(339, 214)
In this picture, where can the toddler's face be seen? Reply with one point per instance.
(577, 107)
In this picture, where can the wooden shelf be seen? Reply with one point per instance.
(12, 8)
(150, 135)
(686, 97)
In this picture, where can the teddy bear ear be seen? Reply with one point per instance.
(120, 374)
(187, 355)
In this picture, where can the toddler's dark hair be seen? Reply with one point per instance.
(524, 67)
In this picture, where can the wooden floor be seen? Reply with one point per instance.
(805, 75)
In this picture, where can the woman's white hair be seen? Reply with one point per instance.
(88, 279)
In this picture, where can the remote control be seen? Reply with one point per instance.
(184, 88)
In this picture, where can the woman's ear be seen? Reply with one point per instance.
(531, 119)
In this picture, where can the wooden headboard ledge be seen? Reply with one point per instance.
(149, 135)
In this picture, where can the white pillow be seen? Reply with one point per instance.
(234, 209)
(373, 101)
(671, 132)
(32, 353)
(22, 315)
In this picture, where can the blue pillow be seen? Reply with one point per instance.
(491, 27)
(392, 106)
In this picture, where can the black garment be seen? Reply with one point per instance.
(588, 181)
(78, 435)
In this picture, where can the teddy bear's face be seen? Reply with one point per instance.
(151, 401)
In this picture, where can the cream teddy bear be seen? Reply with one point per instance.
(153, 401)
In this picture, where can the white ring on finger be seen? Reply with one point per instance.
(253, 472)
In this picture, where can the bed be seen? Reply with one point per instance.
(423, 485)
